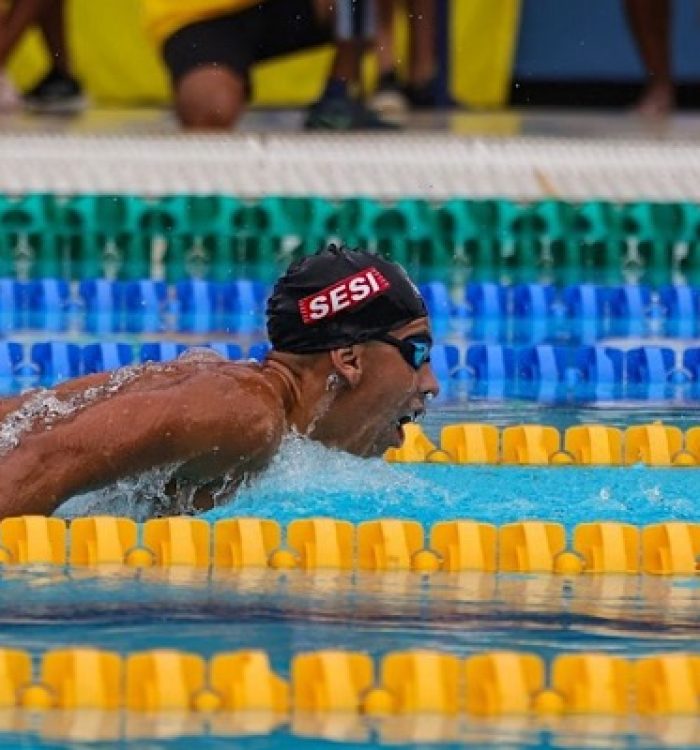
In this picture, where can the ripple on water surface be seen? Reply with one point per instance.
(305, 479)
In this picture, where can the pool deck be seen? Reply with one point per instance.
(517, 154)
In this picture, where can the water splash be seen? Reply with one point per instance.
(324, 403)
(41, 405)
(307, 479)
(201, 354)
(141, 497)
(47, 407)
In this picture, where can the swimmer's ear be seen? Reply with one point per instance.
(347, 364)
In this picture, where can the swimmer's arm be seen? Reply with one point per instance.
(202, 423)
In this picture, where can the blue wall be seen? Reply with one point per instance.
(589, 39)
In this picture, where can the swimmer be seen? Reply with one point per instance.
(349, 365)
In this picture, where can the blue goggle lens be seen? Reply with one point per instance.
(421, 353)
(414, 349)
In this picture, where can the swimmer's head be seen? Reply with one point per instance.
(339, 297)
(366, 325)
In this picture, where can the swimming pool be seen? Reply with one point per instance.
(377, 614)
(286, 612)
(526, 336)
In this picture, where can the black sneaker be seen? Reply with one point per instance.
(424, 95)
(344, 114)
(57, 94)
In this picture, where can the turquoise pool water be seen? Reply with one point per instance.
(285, 613)
(306, 479)
(296, 487)
(288, 612)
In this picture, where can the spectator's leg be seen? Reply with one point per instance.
(210, 96)
(53, 29)
(650, 22)
(13, 23)
(346, 65)
(343, 79)
(58, 92)
(422, 72)
(422, 50)
(388, 99)
(209, 63)
(341, 106)
(22, 15)
(386, 53)
(351, 34)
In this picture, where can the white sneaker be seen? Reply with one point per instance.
(389, 100)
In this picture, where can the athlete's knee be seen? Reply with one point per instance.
(210, 97)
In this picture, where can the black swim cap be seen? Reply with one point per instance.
(339, 297)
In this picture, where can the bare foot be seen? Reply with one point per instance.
(9, 98)
(658, 99)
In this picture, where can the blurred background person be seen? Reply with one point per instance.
(342, 104)
(392, 97)
(210, 46)
(58, 92)
(650, 22)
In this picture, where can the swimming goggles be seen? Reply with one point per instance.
(414, 349)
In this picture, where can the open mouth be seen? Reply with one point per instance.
(404, 419)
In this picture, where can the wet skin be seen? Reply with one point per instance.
(218, 421)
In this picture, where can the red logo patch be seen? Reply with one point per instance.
(342, 295)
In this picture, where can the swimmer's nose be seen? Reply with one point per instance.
(427, 382)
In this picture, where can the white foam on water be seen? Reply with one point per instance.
(42, 404)
(139, 497)
(305, 478)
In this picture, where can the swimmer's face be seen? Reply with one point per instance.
(384, 392)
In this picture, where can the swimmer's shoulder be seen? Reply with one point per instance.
(246, 373)
(200, 384)
(239, 401)
(246, 386)
(197, 368)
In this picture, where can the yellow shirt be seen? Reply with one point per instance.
(165, 17)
